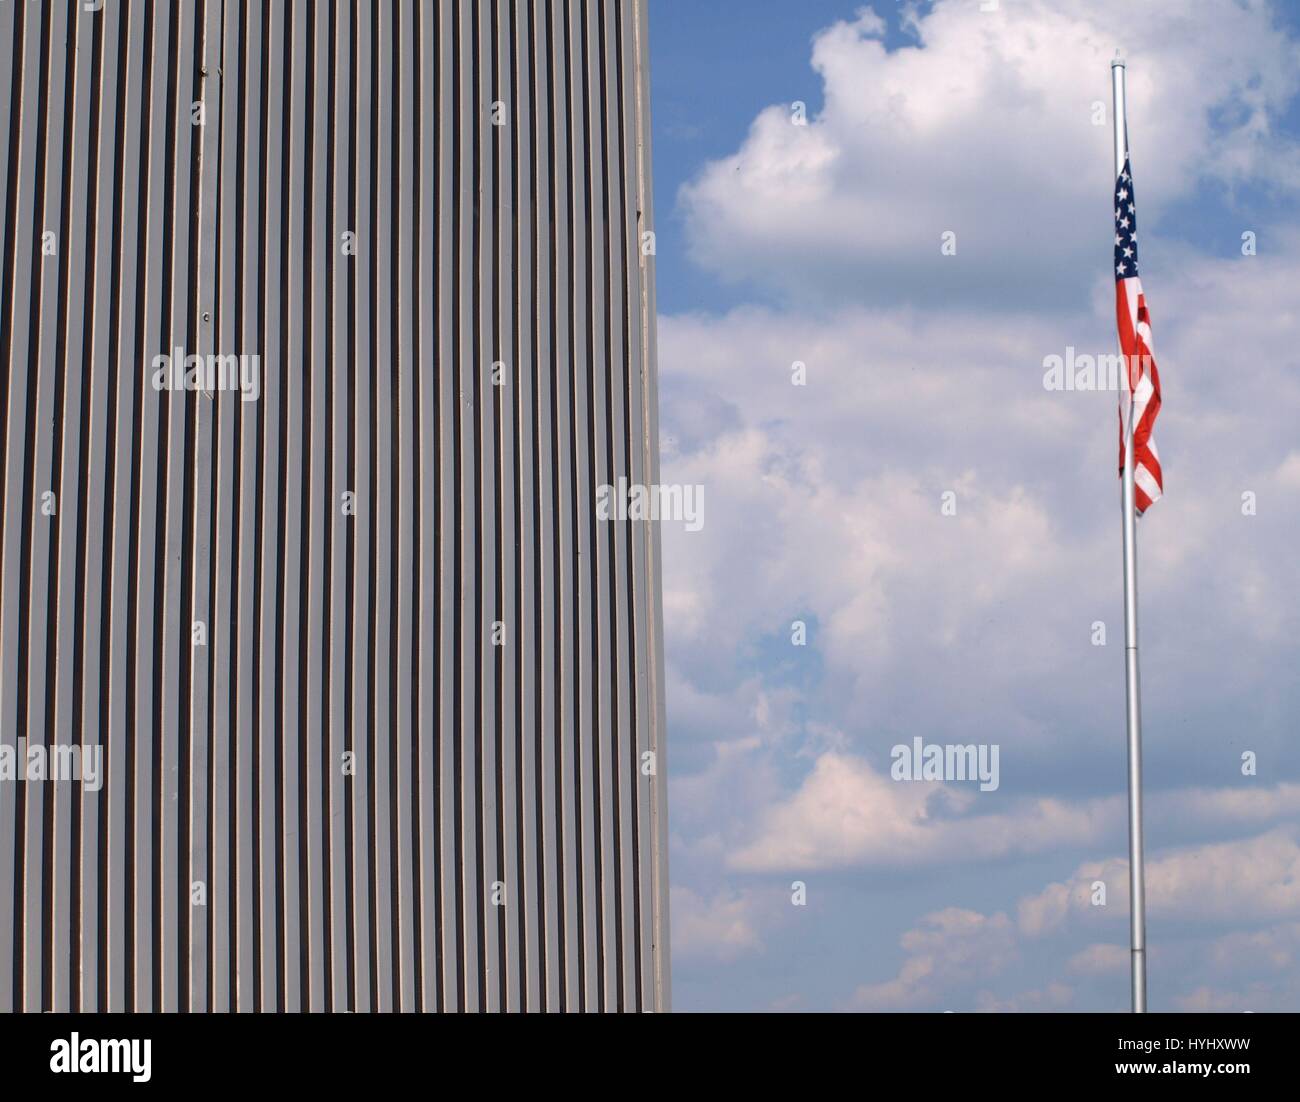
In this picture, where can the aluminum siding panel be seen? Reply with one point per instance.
(374, 684)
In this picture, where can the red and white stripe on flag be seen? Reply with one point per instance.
(1140, 387)
(1141, 379)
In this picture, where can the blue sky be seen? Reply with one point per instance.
(821, 244)
(717, 64)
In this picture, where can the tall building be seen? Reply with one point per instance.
(322, 325)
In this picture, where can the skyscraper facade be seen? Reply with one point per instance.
(323, 683)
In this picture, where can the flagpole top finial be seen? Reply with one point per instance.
(1118, 61)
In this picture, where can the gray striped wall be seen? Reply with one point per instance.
(497, 840)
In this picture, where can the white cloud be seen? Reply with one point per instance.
(947, 949)
(1252, 805)
(1273, 950)
(1100, 958)
(719, 928)
(847, 814)
(1251, 880)
(986, 129)
(958, 957)
(1055, 996)
(824, 499)
(1288, 474)
(1209, 1000)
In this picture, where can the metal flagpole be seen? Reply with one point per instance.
(1137, 889)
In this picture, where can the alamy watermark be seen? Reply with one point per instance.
(1083, 371)
(632, 501)
(933, 762)
(211, 374)
(68, 762)
(113, 1056)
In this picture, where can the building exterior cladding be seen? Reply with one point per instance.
(379, 694)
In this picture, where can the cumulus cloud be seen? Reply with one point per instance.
(958, 958)
(1100, 958)
(1055, 996)
(1288, 474)
(1250, 880)
(924, 376)
(826, 508)
(987, 127)
(1209, 1000)
(1274, 949)
(847, 814)
(718, 928)
(947, 949)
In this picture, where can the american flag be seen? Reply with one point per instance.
(1140, 377)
